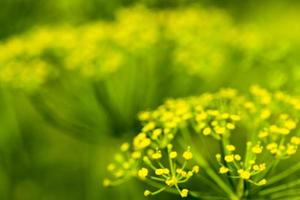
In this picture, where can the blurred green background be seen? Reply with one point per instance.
(55, 143)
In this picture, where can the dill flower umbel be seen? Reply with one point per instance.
(169, 154)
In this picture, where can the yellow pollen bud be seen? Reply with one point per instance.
(223, 170)
(196, 169)
(143, 173)
(173, 154)
(237, 157)
(156, 155)
(124, 147)
(229, 158)
(187, 155)
(147, 193)
(244, 174)
(207, 131)
(257, 149)
(230, 147)
(230, 126)
(262, 182)
(220, 130)
(184, 193)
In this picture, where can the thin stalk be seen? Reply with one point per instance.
(280, 187)
(202, 162)
(284, 174)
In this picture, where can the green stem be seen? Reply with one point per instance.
(281, 194)
(284, 174)
(202, 162)
(280, 187)
(240, 189)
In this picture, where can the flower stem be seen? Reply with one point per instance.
(281, 187)
(284, 174)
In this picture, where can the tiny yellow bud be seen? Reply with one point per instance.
(184, 193)
(295, 140)
(244, 174)
(143, 116)
(256, 167)
(235, 117)
(265, 114)
(162, 171)
(229, 158)
(171, 181)
(147, 193)
(230, 126)
(136, 155)
(106, 182)
(207, 131)
(196, 169)
(290, 124)
(257, 149)
(157, 132)
(230, 147)
(262, 182)
(237, 157)
(223, 170)
(187, 155)
(148, 127)
(124, 147)
(173, 154)
(220, 130)
(218, 157)
(143, 173)
(156, 155)
(263, 134)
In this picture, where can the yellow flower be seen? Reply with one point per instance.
(147, 193)
(295, 140)
(141, 141)
(230, 147)
(143, 116)
(207, 131)
(124, 147)
(265, 114)
(136, 155)
(184, 193)
(262, 182)
(196, 169)
(156, 155)
(290, 124)
(173, 154)
(237, 157)
(230, 126)
(235, 117)
(143, 173)
(148, 127)
(187, 155)
(229, 158)
(257, 149)
(263, 134)
(220, 130)
(244, 174)
(162, 171)
(223, 170)
(171, 181)
(291, 149)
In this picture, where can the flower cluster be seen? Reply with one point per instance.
(266, 134)
(99, 49)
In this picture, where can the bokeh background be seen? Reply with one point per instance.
(57, 136)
